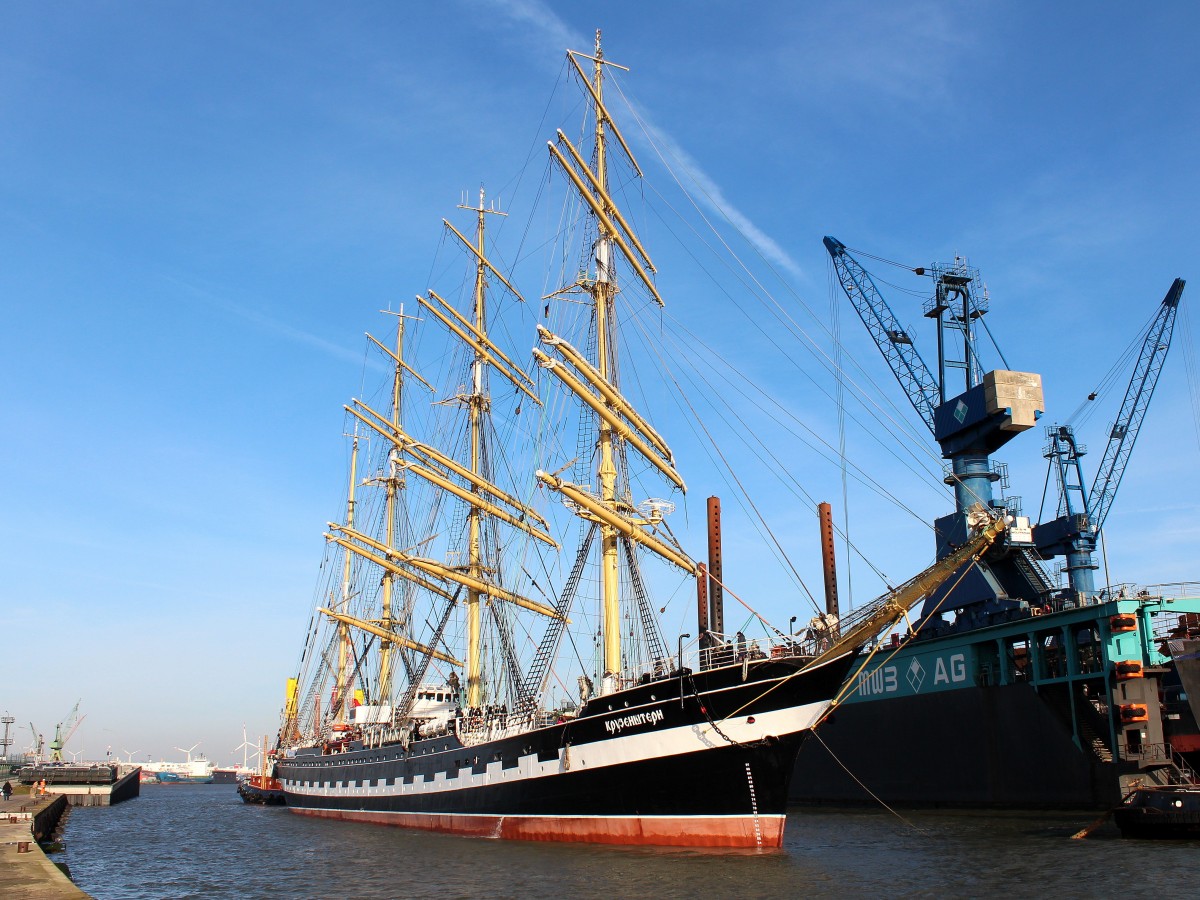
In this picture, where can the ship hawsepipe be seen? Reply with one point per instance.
(699, 759)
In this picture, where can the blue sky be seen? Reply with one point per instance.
(205, 205)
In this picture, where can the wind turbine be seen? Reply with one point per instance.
(189, 750)
(130, 754)
(246, 746)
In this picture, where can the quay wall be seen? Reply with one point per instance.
(25, 870)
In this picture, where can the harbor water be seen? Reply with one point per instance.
(201, 841)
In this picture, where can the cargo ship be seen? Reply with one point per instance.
(1010, 688)
(196, 770)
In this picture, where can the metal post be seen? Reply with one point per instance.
(679, 650)
(716, 598)
(825, 513)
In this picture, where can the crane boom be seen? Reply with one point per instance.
(1133, 408)
(893, 341)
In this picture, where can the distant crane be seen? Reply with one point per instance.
(71, 724)
(38, 745)
(1073, 534)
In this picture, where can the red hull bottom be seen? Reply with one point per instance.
(665, 831)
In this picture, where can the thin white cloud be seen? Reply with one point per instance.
(267, 323)
(907, 53)
(548, 28)
(554, 33)
(713, 197)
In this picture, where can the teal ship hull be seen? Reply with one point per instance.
(1063, 706)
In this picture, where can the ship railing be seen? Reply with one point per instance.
(718, 650)
(1164, 755)
(478, 728)
(1171, 624)
(1170, 590)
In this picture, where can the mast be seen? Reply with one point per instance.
(343, 686)
(393, 484)
(603, 291)
(477, 406)
(619, 428)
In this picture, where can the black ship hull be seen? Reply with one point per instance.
(998, 746)
(699, 760)
(1065, 708)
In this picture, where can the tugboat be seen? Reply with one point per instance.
(1160, 812)
(262, 787)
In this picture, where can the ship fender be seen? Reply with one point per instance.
(1127, 669)
(1133, 712)
(1122, 623)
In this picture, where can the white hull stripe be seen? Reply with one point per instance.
(615, 751)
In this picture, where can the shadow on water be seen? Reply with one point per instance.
(201, 841)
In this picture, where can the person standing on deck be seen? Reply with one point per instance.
(6, 790)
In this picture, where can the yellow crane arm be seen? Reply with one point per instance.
(614, 421)
(483, 348)
(408, 444)
(388, 635)
(607, 223)
(615, 399)
(610, 517)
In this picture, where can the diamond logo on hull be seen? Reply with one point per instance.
(915, 676)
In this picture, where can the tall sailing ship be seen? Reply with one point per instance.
(448, 684)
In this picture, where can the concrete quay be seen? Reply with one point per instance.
(25, 871)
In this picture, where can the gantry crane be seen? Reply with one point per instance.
(969, 426)
(1073, 534)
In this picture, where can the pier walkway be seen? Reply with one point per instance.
(25, 871)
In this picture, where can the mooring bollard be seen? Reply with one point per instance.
(22, 846)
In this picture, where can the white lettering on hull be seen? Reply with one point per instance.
(883, 680)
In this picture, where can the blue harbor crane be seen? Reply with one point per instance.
(969, 425)
(1073, 534)
(1061, 693)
